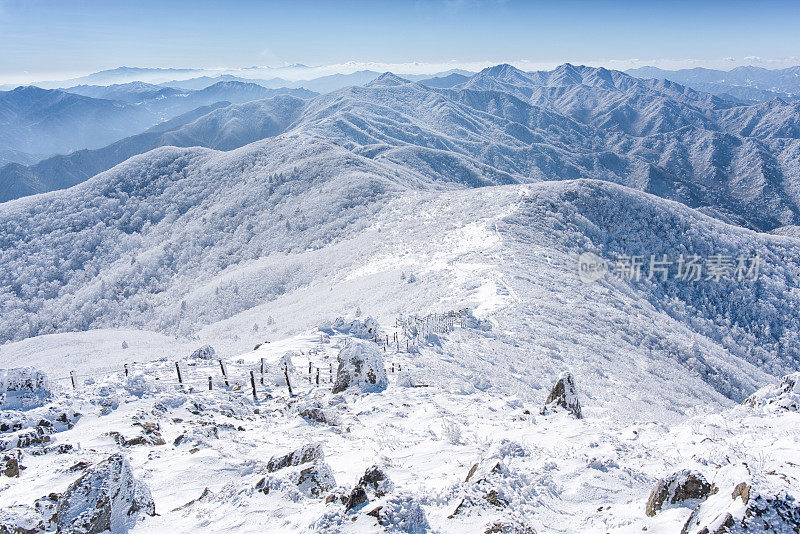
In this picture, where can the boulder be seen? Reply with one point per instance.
(310, 452)
(314, 480)
(784, 396)
(9, 463)
(564, 395)
(360, 368)
(23, 388)
(318, 414)
(357, 497)
(679, 487)
(376, 481)
(106, 497)
(206, 352)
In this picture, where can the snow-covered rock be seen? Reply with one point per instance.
(679, 487)
(744, 509)
(206, 352)
(778, 397)
(564, 395)
(23, 388)
(360, 368)
(106, 497)
(376, 481)
(310, 452)
(314, 479)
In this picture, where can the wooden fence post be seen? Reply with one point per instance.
(126, 369)
(253, 383)
(262, 371)
(210, 383)
(317, 375)
(180, 378)
(224, 374)
(288, 384)
(72, 376)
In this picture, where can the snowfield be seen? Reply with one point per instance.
(354, 321)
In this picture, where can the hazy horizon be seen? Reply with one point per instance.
(46, 40)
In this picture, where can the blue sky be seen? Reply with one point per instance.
(45, 38)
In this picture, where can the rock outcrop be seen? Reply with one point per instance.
(310, 452)
(785, 396)
(106, 497)
(679, 487)
(564, 395)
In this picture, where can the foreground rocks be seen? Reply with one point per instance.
(679, 487)
(564, 395)
(107, 497)
(360, 368)
(745, 509)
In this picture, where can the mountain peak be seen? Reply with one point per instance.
(387, 79)
(506, 73)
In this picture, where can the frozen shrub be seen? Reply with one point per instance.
(360, 368)
(206, 352)
(22, 388)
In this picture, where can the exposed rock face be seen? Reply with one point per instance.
(9, 463)
(376, 481)
(564, 395)
(678, 487)
(206, 352)
(106, 497)
(360, 368)
(785, 396)
(311, 452)
(357, 497)
(23, 388)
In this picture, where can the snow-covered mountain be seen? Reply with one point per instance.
(734, 162)
(266, 221)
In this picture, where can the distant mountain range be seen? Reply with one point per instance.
(38, 122)
(502, 125)
(743, 84)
